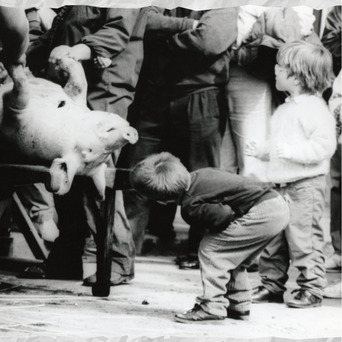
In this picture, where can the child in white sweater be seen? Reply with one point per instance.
(302, 141)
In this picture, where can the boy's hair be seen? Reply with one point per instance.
(161, 177)
(310, 63)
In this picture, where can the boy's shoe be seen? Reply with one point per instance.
(238, 315)
(180, 258)
(333, 290)
(262, 295)
(33, 272)
(304, 299)
(197, 315)
(333, 263)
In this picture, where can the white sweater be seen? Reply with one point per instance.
(306, 129)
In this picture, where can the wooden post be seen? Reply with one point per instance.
(104, 227)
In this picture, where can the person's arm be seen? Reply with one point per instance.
(319, 145)
(331, 38)
(112, 38)
(160, 25)
(14, 35)
(109, 41)
(38, 53)
(213, 216)
(214, 34)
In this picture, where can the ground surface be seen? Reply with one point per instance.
(47, 310)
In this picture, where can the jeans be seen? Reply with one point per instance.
(301, 242)
(224, 256)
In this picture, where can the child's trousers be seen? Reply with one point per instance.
(301, 242)
(224, 256)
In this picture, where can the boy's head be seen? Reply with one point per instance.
(309, 64)
(161, 177)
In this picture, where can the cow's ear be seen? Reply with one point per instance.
(62, 171)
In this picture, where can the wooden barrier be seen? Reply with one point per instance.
(116, 179)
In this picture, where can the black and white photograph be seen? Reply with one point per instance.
(170, 171)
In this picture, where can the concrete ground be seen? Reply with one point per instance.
(49, 310)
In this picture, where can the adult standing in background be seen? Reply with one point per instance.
(331, 39)
(108, 42)
(181, 106)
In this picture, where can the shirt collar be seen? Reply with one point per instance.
(298, 99)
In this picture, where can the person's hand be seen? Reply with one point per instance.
(102, 62)
(283, 151)
(58, 53)
(251, 148)
(195, 24)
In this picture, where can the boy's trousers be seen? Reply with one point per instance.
(224, 256)
(301, 242)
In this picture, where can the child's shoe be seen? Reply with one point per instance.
(304, 299)
(262, 295)
(197, 315)
(333, 263)
(333, 290)
(238, 315)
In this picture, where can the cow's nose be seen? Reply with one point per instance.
(131, 135)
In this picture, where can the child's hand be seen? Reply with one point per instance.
(283, 151)
(102, 62)
(251, 148)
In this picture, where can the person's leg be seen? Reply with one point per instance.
(123, 249)
(239, 294)
(305, 236)
(221, 253)
(101, 97)
(41, 209)
(228, 151)
(334, 261)
(151, 124)
(199, 120)
(65, 258)
(250, 109)
(274, 264)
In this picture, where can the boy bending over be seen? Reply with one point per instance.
(241, 216)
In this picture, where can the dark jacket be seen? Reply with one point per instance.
(109, 32)
(179, 56)
(216, 197)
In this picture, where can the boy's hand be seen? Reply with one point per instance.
(102, 62)
(251, 148)
(283, 151)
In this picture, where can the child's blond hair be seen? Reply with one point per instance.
(161, 177)
(310, 63)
